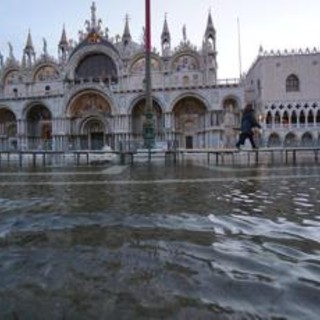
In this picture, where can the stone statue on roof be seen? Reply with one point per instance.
(11, 56)
(184, 33)
(45, 47)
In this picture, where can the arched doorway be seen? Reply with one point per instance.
(39, 127)
(8, 129)
(93, 134)
(91, 121)
(189, 123)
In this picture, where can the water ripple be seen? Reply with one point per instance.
(213, 248)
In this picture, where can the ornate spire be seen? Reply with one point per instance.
(165, 36)
(93, 16)
(93, 31)
(93, 25)
(29, 54)
(209, 51)
(210, 30)
(29, 44)
(126, 37)
(63, 39)
(209, 41)
(63, 47)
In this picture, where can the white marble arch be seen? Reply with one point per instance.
(89, 89)
(86, 51)
(189, 94)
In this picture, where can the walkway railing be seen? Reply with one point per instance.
(217, 156)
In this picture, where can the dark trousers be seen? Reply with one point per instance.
(243, 137)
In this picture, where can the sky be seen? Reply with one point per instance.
(273, 24)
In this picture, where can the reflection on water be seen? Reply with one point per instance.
(160, 242)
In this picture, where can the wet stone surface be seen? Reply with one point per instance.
(158, 241)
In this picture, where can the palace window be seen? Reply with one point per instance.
(292, 83)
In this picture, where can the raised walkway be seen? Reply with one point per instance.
(216, 156)
(286, 155)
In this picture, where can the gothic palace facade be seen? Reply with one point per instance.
(93, 94)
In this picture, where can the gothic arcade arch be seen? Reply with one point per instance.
(307, 140)
(277, 118)
(274, 140)
(269, 119)
(294, 118)
(310, 118)
(285, 118)
(290, 140)
(302, 118)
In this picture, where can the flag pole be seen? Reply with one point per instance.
(239, 48)
(148, 128)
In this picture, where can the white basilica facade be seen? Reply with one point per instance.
(93, 94)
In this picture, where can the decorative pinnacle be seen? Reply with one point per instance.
(93, 15)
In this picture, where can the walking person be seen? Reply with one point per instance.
(248, 123)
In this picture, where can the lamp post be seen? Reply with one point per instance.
(148, 127)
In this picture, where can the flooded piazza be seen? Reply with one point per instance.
(160, 241)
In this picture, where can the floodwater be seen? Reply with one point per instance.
(160, 241)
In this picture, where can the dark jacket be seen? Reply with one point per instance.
(249, 121)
